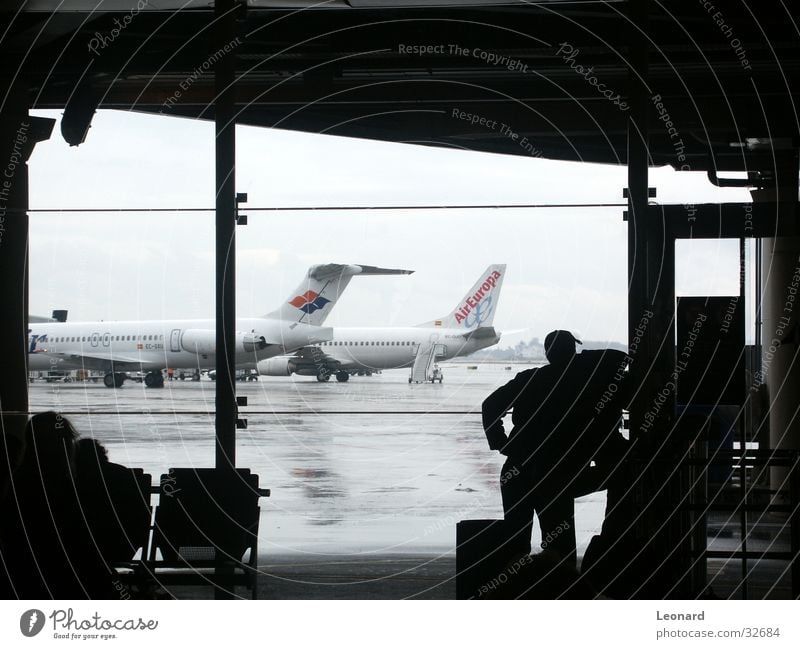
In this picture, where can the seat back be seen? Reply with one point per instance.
(115, 502)
(205, 514)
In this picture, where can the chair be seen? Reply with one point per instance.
(115, 502)
(205, 524)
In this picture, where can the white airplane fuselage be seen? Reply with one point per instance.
(383, 348)
(392, 347)
(157, 344)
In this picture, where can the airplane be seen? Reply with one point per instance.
(151, 346)
(466, 329)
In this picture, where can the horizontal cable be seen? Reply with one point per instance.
(325, 208)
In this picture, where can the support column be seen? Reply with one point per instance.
(780, 319)
(225, 156)
(14, 128)
(640, 335)
(19, 133)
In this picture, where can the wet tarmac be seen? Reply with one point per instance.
(370, 467)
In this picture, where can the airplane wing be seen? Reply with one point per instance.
(307, 357)
(102, 361)
(305, 361)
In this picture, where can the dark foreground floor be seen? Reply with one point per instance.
(377, 577)
(404, 576)
(366, 577)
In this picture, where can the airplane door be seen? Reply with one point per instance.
(95, 339)
(175, 340)
(106, 339)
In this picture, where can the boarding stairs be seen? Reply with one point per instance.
(426, 355)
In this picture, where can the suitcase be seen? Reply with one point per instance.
(481, 555)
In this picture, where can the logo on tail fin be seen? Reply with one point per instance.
(309, 302)
(477, 307)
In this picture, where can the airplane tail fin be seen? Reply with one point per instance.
(312, 301)
(476, 309)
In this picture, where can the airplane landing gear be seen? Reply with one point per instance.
(323, 375)
(154, 380)
(342, 376)
(114, 380)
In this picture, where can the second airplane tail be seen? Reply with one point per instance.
(312, 301)
(476, 309)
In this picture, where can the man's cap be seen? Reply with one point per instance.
(561, 334)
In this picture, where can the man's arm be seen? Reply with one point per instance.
(497, 404)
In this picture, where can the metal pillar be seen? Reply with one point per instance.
(780, 316)
(638, 303)
(14, 125)
(15, 128)
(19, 133)
(651, 259)
(225, 156)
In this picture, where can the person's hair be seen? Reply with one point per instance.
(89, 450)
(48, 435)
(559, 346)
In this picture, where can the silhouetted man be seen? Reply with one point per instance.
(565, 441)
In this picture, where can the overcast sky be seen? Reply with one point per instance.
(566, 267)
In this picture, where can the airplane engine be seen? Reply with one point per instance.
(203, 341)
(276, 367)
(199, 341)
(251, 342)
